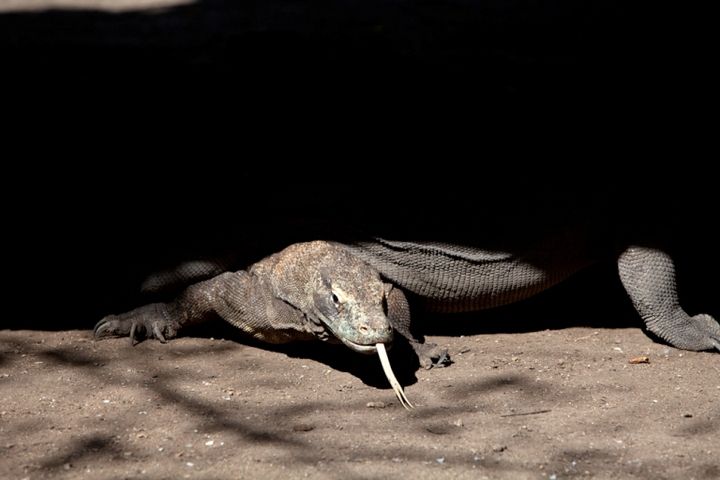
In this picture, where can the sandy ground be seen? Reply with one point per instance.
(546, 404)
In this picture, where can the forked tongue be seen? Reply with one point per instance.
(385, 361)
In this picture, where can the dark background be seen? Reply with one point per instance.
(132, 139)
(80, 259)
(256, 60)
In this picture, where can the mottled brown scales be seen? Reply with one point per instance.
(355, 293)
(314, 290)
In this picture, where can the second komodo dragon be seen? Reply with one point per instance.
(355, 293)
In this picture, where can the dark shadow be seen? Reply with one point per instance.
(214, 420)
(522, 383)
(705, 425)
(83, 449)
(571, 463)
(335, 355)
(70, 356)
(97, 265)
(533, 48)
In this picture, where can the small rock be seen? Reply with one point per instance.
(687, 415)
(440, 460)
(499, 448)
(639, 359)
(67, 466)
(458, 422)
(376, 405)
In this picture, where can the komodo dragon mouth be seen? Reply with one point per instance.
(358, 347)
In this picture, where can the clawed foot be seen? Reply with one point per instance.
(148, 321)
(713, 330)
(431, 355)
(709, 332)
(702, 332)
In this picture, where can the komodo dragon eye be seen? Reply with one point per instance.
(335, 299)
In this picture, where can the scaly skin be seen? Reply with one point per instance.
(309, 290)
(335, 292)
(456, 278)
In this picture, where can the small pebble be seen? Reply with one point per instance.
(376, 405)
(440, 460)
(687, 415)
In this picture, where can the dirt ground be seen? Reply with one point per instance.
(546, 404)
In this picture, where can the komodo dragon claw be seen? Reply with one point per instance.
(149, 320)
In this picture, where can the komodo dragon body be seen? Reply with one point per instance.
(453, 278)
(356, 292)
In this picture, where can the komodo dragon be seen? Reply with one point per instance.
(355, 293)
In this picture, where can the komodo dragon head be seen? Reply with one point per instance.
(343, 297)
(349, 300)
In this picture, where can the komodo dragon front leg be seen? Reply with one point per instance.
(242, 299)
(309, 290)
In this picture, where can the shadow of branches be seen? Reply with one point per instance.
(212, 403)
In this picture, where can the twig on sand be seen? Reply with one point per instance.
(534, 412)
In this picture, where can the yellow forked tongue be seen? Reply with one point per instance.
(385, 361)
